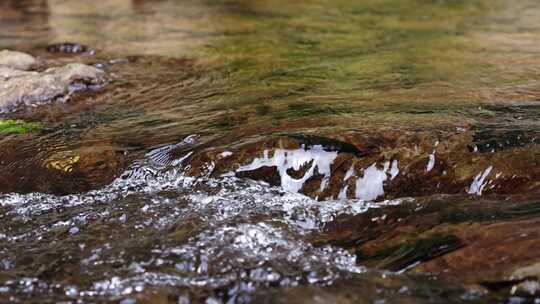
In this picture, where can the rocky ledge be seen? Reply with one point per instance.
(376, 167)
(22, 83)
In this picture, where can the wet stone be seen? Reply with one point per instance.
(17, 60)
(267, 174)
(398, 167)
(68, 48)
(21, 88)
(59, 172)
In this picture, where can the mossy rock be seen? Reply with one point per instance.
(8, 127)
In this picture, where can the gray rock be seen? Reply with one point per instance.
(8, 73)
(32, 88)
(17, 60)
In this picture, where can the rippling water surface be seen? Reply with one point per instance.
(277, 151)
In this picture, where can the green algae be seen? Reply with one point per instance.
(9, 126)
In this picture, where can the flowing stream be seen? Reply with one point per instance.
(276, 152)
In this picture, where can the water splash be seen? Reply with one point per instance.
(480, 182)
(431, 163)
(318, 160)
(245, 234)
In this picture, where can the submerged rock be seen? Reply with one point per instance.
(31, 88)
(450, 236)
(68, 48)
(399, 165)
(17, 60)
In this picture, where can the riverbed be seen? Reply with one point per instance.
(277, 152)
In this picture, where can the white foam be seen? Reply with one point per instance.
(370, 186)
(343, 193)
(349, 173)
(284, 160)
(431, 162)
(394, 170)
(225, 154)
(240, 223)
(479, 182)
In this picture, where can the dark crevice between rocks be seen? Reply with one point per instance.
(401, 257)
(266, 174)
(488, 138)
(301, 172)
(430, 230)
(506, 127)
(498, 286)
(329, 144)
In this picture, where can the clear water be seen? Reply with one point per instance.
(399, 140)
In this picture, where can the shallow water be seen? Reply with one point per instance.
(275, 151)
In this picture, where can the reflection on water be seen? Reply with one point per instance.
(339, 103)
(120, 25)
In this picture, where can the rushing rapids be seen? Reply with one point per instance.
(221, 234)
(269, 151)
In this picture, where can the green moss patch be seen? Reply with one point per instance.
(17, 127)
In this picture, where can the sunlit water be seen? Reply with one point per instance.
(134, 191)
